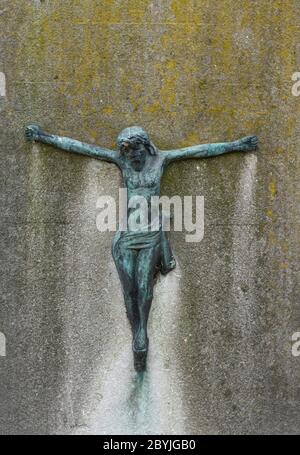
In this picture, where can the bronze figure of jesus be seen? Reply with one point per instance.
(139, 255)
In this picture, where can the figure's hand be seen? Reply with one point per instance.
(32, 132)
(248, 143)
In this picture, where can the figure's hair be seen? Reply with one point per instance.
(135, 135)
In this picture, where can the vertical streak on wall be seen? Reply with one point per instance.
(243, 271)
(244, 235)
(164, 371)
(33, 314)
(92, 308)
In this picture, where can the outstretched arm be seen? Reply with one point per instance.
(34, 133)
(245, 144)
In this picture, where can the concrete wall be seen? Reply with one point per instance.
(221, 324)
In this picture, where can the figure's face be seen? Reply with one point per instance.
(136, 155)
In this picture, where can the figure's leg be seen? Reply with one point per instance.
(146, 267)
(125, 261)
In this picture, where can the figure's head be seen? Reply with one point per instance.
(134, 143)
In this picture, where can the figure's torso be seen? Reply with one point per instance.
(146, 182)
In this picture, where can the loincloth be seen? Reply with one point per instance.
(140, 240)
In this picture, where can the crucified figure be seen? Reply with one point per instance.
(138, 256)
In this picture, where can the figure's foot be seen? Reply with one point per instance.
(140, 342)
(140, 360)
(168, 267)
(140, 350)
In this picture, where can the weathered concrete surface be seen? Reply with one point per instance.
(188, 72)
